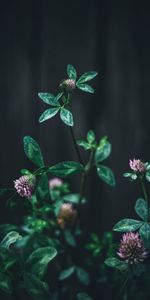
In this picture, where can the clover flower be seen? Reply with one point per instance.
(68, 85)
(132, 249)
(66, 215)
(55, 182)
(137, 165)
(25, 185)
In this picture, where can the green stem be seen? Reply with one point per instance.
(145, 196)
(123, 288)
(75, 146)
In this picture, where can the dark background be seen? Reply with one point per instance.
(38, 40)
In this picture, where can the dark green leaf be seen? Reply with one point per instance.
(9, 239)
(73, 198)
(66, 273)
(7, 259)
(87, 76)
(6, 192)
(141, 209)
(106, 175)
(33, 151)
(85, 87)
(5, 283)
(6, 228)
(127, 225)
(71, 71)
(66, 116)
(83, 296)
(114, 262)
(90, 136)
(36, 288)
(25, 172)
(66, 168)
(49, 98)
(83, 276)
(48, 114)
(42, 189)
(145, 234)
(38, 260)
(69, 238)
(102, 152)
(148, 176)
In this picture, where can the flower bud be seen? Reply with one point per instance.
(66, 215)
(25, 185)
(55, 182)
(68, 85)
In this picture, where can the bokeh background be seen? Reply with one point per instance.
(38, 39)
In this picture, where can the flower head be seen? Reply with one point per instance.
(132, 249)
(55, 182)
(68, 85)
(25, 185)
(66, 215)
(137, 165)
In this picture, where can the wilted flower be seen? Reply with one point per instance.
(132, 249)
(137, 165)
(66, 215)
(25, 185)
(68, 85)
(55, 182)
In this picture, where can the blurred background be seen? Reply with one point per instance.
(38, 39)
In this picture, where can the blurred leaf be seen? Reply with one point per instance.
(127, 225)
(5, 283)
(42, 189)
(71, 71)
(7, 259)
(38, 260)
(83, 296)
(87, 76)
(84, 144)
(85, 87)
(48, 114)
(83, 276)
(73, 198)
(9, 239)
(69, 238)
(141, 209)
(36, 288)
(145, 234)
(66, 116)
(33, 151)
(102, 152)
(6, 192)
(106, 175)
(65, 274)
(90, 136)
(49, 98)
(148, 176)
(66, 168)
(116, 263)
(6, 228)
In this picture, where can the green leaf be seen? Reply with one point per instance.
(84, 144)
(9, 239)
(5, 283)
(102, 152)
(114, 262)
(148, 176)
(36, 288)
(87, 76)
(83, 276)
(25, 172)
(66, 168)
(7, 259)
(127, 225)
(48, 114)
(141, 209)
(71, 71)
(65, 274)
(38, 260)
(90, 136)
(127, 174)
(69, 238)
(49, 98)
(83, 296)
(106, 175)
(85, 87)
(145, 234)
(66, 116)
(33, 151)
(73, 198)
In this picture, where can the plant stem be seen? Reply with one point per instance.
(145, 196)
(75, 146)
(122, 288)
